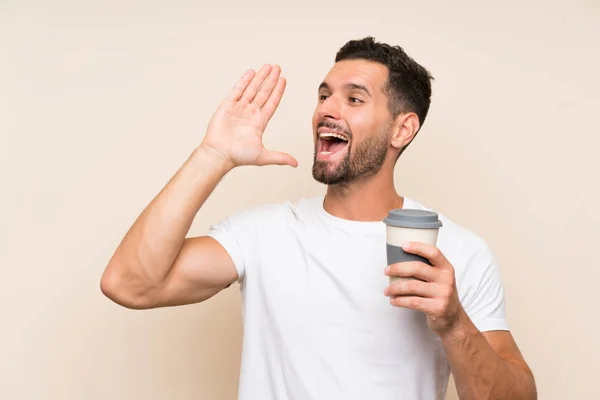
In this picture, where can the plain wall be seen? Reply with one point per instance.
(101, 102)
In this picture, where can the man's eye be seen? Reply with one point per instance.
(355, 100)
(322, 97)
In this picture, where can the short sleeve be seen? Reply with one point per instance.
(483, 291)
(224, 233)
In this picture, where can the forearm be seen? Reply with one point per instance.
(479, 372)
(148, 250)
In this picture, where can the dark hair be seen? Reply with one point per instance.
(409, 84)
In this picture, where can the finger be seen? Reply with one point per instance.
(430, 252)
(241, 85)
(269, 157)
(416, 303)
(409, 269)
(271, 105)
(413, 287)
(256, 83)
(267, 87)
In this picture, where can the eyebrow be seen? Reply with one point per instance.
(348, 86)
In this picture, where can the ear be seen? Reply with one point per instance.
(404, 129)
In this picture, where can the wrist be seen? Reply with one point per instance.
(460, 330)
(215, 157)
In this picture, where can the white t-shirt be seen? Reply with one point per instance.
(317, 324)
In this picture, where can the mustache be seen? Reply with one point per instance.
(335, 127)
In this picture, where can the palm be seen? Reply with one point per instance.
(237, 126)
(243, 125)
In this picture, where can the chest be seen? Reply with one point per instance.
(329, 284)
(335, 271)
(325, 296)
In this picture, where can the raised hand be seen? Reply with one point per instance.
(237, 126)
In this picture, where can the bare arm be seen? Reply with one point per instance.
(487, 365)
(155, 265)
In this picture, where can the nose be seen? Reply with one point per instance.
(329, 108)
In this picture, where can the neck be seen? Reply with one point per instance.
(364, 200)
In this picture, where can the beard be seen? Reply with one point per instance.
(359, 163)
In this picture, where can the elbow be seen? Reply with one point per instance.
(110, 287)
(124, 292)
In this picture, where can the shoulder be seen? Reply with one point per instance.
(269, 215)
(456, 241)
(478, 277)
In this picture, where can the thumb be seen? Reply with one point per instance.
(269, 157)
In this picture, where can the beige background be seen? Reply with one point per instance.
(101, 102)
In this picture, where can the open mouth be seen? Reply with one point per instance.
(331, 143)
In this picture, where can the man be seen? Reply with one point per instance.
(320, 318)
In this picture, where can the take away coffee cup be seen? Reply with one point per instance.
(409, 225)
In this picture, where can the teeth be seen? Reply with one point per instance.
(333, 134)
(325, 152)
